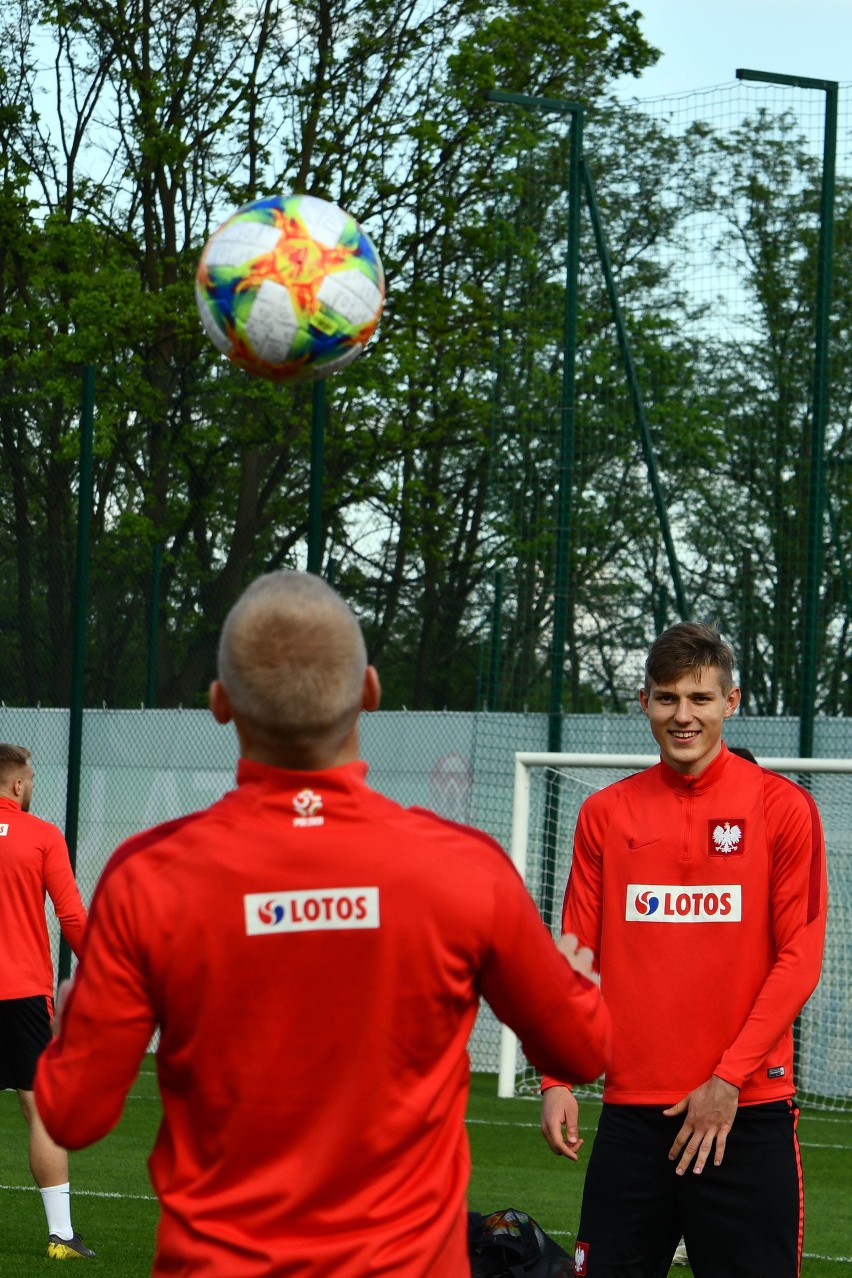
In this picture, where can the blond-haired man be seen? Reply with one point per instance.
(314, 955)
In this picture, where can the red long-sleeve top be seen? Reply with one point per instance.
(705, 898)
(314, 956)
(33, 861)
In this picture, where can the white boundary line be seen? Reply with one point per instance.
(87, 1193)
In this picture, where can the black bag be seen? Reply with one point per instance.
(510, 1244)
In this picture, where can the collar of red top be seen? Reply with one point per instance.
(9, 803)
(710, 776)
(345, 777)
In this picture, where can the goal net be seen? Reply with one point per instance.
(548, 791)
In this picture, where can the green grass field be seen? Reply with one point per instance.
(513, 1167)
(114, 1210)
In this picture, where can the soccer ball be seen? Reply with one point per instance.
(290, 288)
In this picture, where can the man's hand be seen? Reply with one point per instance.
(579, 956)
(61, 999)
(710, 1112)
(559, 1127)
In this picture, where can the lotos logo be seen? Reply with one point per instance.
(270, 912)
(307, 805)
(311, 910)
(675, 903)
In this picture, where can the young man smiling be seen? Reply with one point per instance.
(686, 716)
(700, 884)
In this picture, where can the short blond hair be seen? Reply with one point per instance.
(292, 659)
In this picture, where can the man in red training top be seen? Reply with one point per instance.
(313, 955)
(34, 861)
(701, 884)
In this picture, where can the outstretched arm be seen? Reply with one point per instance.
(104, 1021)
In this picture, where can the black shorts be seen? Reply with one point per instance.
(741, 1220)
(24, 1034)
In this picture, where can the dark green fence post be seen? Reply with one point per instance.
(78, 669)
(153, 627)
(316, 481)
(493, 698)
(566, 475)
(819, 403)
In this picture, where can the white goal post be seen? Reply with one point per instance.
(824, 1039)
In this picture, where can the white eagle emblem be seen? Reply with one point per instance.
(579, 1259)
(307, 805)
(726, 837)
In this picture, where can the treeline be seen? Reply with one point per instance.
(129, 130)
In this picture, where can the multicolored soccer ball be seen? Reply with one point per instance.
(290, 288)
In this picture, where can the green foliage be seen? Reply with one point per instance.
(115, 1210)
(513, 1167)
(443, 461)
(170, 115)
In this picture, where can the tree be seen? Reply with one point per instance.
(167, 114)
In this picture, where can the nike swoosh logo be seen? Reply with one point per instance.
(633, 844)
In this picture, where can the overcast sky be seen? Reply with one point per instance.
(703, 42)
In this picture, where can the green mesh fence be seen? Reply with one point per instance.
(710, 208)
(554, 535)
(139, 767)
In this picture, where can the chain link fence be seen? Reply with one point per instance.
(140, 767)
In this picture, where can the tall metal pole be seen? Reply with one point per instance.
(78, 665)
(566, 438)
(153, 627)
(566, 479)
(568, 401)
(819, 402)
(493, 697)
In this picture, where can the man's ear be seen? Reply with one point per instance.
(372, 694)
(220, 706)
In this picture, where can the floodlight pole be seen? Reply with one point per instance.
(819, 401)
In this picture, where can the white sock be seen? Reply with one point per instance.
(57, 1208)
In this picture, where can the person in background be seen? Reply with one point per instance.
(701, 884)
(33, 862)
(314, 955)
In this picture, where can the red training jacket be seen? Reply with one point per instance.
(33, 860)
(314, 956)
(705, 898)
